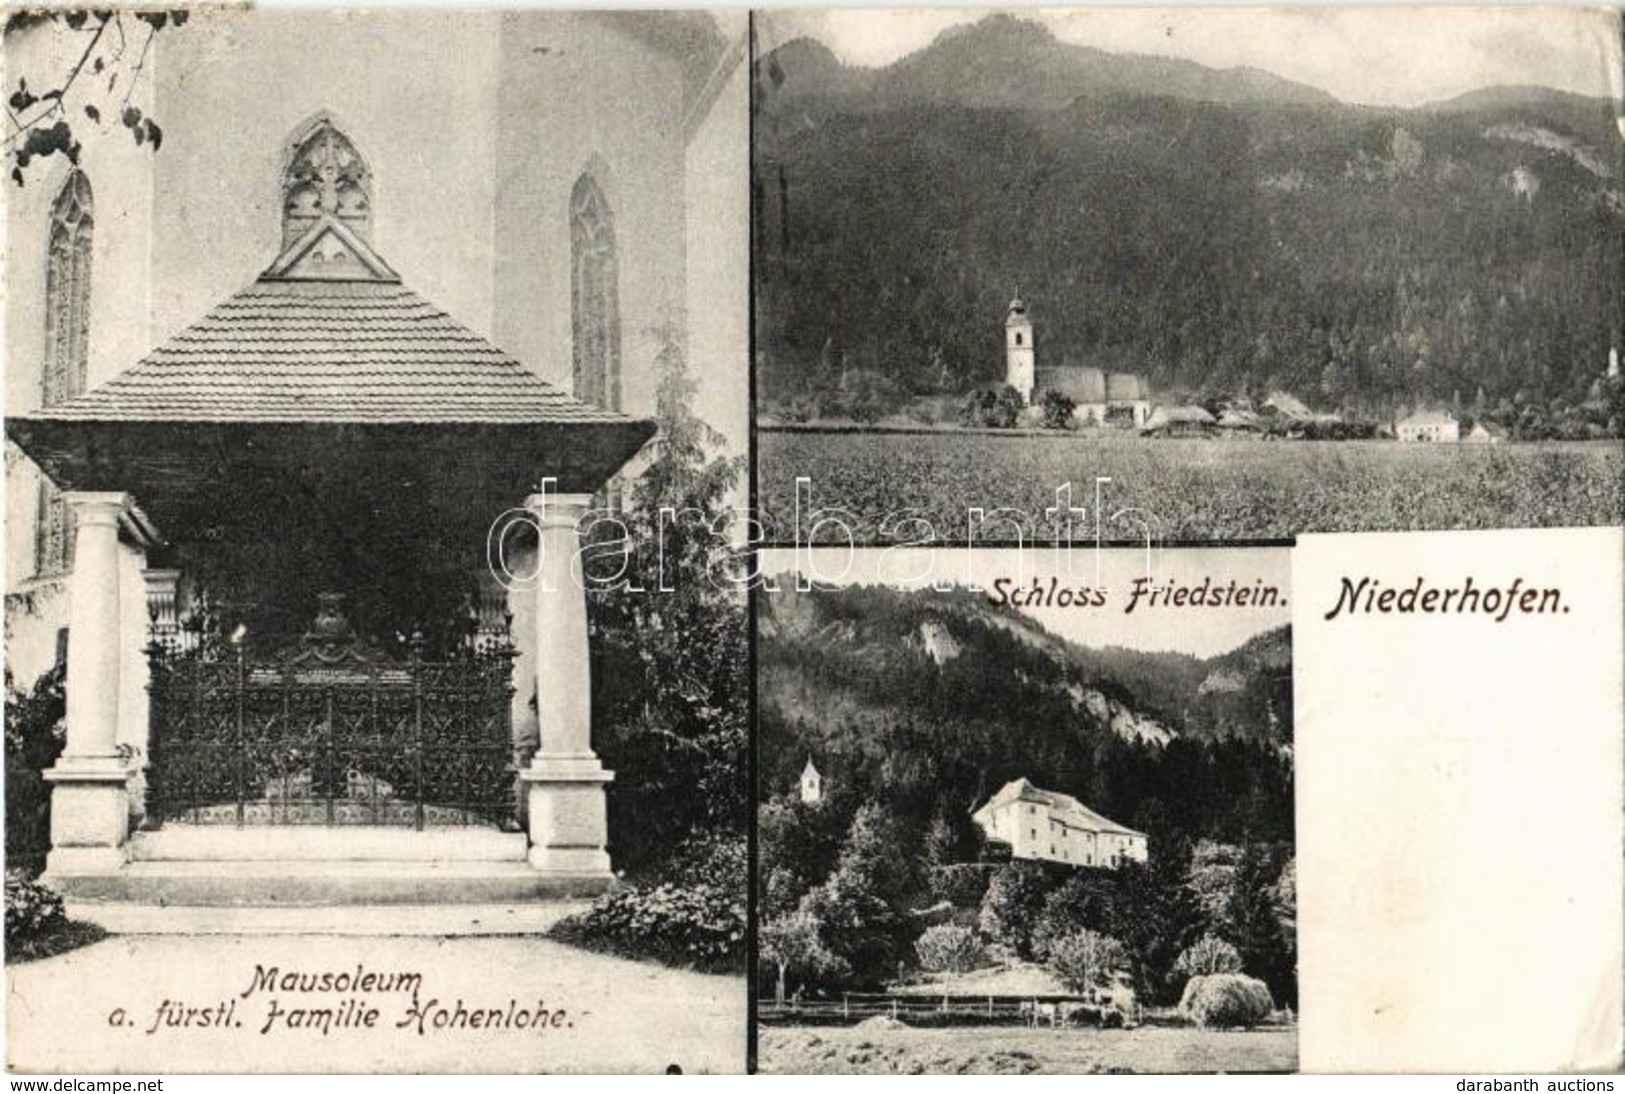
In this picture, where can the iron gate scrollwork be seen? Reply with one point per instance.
(331, 732)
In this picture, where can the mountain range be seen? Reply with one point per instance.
(1212, 229)
(1005, 61)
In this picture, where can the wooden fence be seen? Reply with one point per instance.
(939, 1010)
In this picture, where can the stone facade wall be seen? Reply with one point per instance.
(475, 127)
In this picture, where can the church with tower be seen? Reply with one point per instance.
(1018, 350)
(1099, 397)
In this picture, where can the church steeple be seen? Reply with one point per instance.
(1019, 359)
(812, 784)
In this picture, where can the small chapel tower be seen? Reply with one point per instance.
(812, 784)
(1018, 349)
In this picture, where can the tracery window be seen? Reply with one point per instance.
(67, 291)
(595, 314)
(67, 346)
(325, 173)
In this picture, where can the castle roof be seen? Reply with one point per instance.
(1072, 811)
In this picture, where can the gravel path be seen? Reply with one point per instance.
(103, 1008)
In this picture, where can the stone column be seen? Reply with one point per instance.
(565, 782)
(90, 794)
(163, 631)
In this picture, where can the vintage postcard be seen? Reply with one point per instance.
(1267, 271)
(358, 716)
(490, 493)
(1026, 811)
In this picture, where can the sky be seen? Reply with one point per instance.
(1385, 55)
(1203, 632)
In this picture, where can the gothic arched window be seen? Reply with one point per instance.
(67, 291)
(67, 345)
(325, 173)
(595, 310)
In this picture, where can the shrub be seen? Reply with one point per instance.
(694, 917)
(34, 737)
(993, 408)
(1012, 904)
(865, 395)
(1086, 959)
(1085, 901)
(793, 944)
(947, 948)
(923, 411)
(1226, 999)
(801, 408)
(1208, 955)
(700, 927)
(711, 858)
(33, 910)
(962, 884)
(1058, 410)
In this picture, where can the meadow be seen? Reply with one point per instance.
(880, 1047)
(1185, 489)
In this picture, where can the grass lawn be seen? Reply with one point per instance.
(1017, 978)
(882, 1047)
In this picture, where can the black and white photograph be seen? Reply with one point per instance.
(1268, 270)
(362, 713)
(811, 541)
(1021, 813)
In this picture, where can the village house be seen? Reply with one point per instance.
(1429, 425)
(385, 311)
(1180, 421)
(1053, 827)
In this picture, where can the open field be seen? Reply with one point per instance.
(881, 1047)
(1193, 489)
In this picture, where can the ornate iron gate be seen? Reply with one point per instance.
(331, 733)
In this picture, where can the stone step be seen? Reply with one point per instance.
(274, 883)
(211, 843)
(530, 918)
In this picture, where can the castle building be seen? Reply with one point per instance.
(1048, 826)
(812, 784)
(1019, 358)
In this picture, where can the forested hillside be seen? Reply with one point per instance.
(929, 700)
(917, 705)
(1221, 232)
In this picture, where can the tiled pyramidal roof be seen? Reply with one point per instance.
(309, 343)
